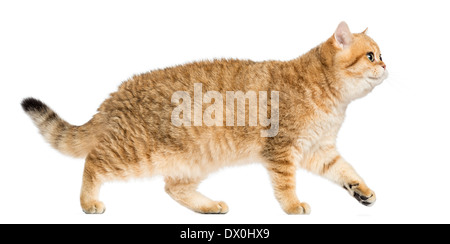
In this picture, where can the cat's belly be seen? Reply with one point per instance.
(197, 166)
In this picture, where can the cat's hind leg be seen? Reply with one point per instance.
(90, 188)
(184, 191)
(104, 163)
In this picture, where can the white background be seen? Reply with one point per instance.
(72, 54)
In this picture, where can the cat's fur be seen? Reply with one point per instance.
(132, 134)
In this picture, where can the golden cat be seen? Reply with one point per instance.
(134, 133)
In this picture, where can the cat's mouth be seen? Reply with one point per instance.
(374, 81)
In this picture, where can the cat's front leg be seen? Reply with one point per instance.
(327, 162)
(361, 193)
(282, 174)
(335, 168)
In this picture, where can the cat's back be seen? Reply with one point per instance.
(218, 74)
(158, 86)
(143, 105)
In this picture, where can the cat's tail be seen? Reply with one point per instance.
(76, 141)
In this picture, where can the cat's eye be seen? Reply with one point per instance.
(381, 58)
(370, 56)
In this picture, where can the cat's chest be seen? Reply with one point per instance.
(320, 131)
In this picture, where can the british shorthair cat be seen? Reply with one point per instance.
(187, 121)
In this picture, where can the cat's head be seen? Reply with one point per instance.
(355, 60)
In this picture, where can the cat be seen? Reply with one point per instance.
(134, 135)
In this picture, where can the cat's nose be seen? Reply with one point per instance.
(384, 66)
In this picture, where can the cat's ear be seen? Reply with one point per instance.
(342, 36)
(365, 31)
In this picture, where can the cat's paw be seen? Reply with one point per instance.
(93, 207)
(299, 208)
(361, 192)
(214, 208)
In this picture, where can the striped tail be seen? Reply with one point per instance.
(76, 141)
